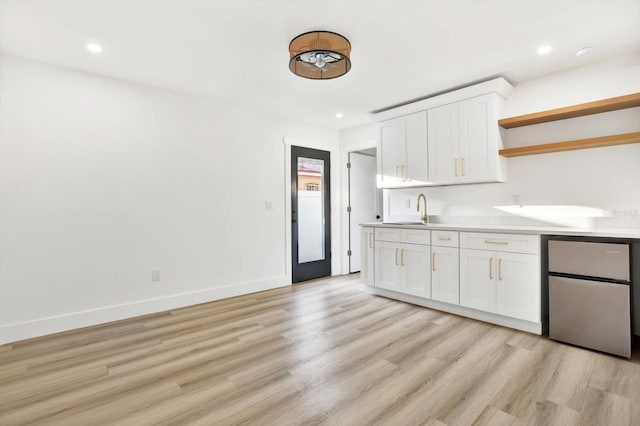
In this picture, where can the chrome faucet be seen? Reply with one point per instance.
(424, 218)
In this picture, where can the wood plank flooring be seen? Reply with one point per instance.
(324, 353)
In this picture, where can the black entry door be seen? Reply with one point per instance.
(310, 214)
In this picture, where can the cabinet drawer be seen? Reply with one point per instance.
(444, 238)
(512, 243)
(388, 234)
(415, 236)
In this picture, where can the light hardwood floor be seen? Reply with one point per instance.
(324, 352)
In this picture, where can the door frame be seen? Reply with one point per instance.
(365, 142)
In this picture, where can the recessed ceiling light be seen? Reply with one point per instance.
(94, 48)
(339, 115)
(543, 50)
(584, 51)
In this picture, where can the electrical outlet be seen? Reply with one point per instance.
(155, 275)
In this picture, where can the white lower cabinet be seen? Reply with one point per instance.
(500, 282)
(414, 267)
(387, 271)
(403, 267)
(486, 272)
(445, 274)
(477, 280)
(367, 256)
(518, 286)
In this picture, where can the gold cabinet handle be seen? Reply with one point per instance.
(402, 257)
(370, 239)
(444, 238)
(455, 166)
(396, 257)
(496, 242)
(500, 269)
(491, 268)
(462, 166)
(433, 261)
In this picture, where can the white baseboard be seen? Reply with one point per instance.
(55, 324)
(531, 327)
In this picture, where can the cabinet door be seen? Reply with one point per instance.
(416, 149)
(478, 279)
(391, 145)
(518, 286)
(442, 130)
(367, 256)
(445, 274)
(478, 154)
(415, 265)
(387, 265)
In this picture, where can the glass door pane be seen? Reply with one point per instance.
(311, 214)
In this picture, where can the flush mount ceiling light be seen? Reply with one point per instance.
(319, 55)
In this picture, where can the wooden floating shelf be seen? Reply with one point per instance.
(596, 107)
(621, 139)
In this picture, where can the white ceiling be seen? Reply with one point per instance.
(237, 50)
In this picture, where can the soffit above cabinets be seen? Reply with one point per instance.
(497, 85)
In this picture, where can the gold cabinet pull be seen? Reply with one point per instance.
(491, 268)
(370, 239)
(396, 257)
(462, 166)
(433, 261)
(401, 257)
(444, 238)
(496, 242)
(455, 166)
(500, 269)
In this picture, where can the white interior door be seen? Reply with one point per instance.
(365, 200)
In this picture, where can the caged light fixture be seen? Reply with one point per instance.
(319, 55)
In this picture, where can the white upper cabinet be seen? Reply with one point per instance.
(416, 149)
(464, 141)
(391, 152)
(402, 144)
(444, 148)
(447, 139)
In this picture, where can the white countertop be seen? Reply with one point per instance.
(629, 233)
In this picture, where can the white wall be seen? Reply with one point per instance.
(614, 77)
(602, 179)
(102, 180)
